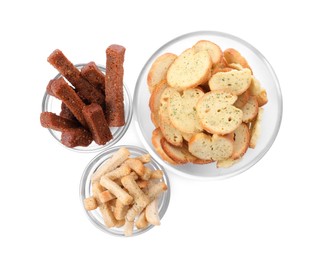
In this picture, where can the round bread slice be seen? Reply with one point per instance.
(214, 50)
(156, 141)
(242, 99)
(208, 147)
(256, 128)
(227, 163)
(189, 70)
(182, 110)
(158, 70)
(233, 56)
(154, 101)
(170, 133)
(180, 155)
(234, 81)
(255, 89)
(217, 114)
(250, 109)
(241, 141)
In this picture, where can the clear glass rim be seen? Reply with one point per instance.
(87, 171)
(122, 130)
(254, 50)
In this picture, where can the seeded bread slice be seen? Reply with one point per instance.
(234, 81)
(189, 70)
(156, 138)
(217, 114)
(170, 133)
(214, 50)
(260, 93)
(158, 70)
(182, 110)
(250, 109)
(213, 147)
(233, 56)
(241, 141)
(256, 128)
(180, 155)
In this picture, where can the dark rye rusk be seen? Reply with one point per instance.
(62, 90)
(114, 85)
(84, 89)
(97, 124)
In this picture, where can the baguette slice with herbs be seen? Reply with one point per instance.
(233, 81)
(213, 147)
(189, 70)
(182, 110)
(217, 114)
(158, 70)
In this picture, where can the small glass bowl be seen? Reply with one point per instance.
(85, 189)
(272, 110)
(52, 104)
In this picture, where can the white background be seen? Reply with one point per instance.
(264, 213)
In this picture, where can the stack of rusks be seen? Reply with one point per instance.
(206, 105)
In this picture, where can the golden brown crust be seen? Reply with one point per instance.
(156, 138)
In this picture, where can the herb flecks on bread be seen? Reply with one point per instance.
(205, 104)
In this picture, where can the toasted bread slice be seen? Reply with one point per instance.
(182, 110)
(186, 136)
(158, 70)
(217, 114)
(233, 56)
(234, 81)
(260, 93)
(227, 163)
(235, 66)
(154, 101)
(250, 110)
(189, 70)
(156, 138)
(170, 133)
(208, 147)
(180, 155)
(241, 141)
(256, 128)
(214, 50)
(242, 99)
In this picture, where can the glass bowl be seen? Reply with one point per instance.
(86, 189)
(272, 110)
(52, 104)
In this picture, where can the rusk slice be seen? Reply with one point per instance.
(227, 163)
(242, 99)
(180, 155)
(256, 128)
(233, 56)
(158, 70)
(214, 50)
(250, 109)
(234, 81)
(217, 114)
(255, 89)
(189, 70)
(170, 133)
(154, 101)
(156, 141)
(241, 141)
(208, 147)
(182, 110)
